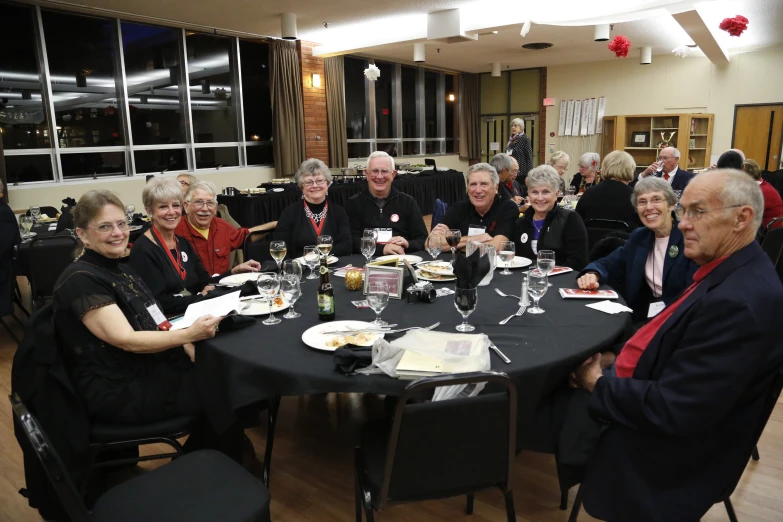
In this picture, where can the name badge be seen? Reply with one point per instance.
(158, 316)
(475, 230)
(655, 308)
(383, 235)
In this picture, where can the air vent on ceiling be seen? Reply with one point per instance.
(537, 46)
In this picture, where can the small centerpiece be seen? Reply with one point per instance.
(354, 280)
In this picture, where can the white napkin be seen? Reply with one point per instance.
(609, 307)
(52, 227)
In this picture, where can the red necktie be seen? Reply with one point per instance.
(666, 176)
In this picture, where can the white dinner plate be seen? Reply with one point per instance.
(329, 261)
(429, 276)
(314, 338)
(277, 190)
(260, 306)
(411, 259)
(518, 262)
(239, 279)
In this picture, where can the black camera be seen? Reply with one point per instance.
(421, 292)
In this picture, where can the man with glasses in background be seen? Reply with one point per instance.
(395, 217)
(667, 167)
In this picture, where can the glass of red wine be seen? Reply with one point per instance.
(452, 238)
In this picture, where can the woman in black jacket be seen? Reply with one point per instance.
(612, 198)
(545, 226)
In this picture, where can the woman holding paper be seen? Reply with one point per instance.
(168, 264)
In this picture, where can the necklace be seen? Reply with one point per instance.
(316, 217)
(538, 229)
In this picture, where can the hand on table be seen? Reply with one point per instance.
(589, 281)
(440, 229)
(398, 240)
(247, 266)
(481, 238)
(587, 374)
(519, 200)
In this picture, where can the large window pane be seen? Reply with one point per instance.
(411, 148)
(211, 87)
(82, 59)
(390, 148)
(525, 85)
(261, 154)
(23, 122)
(432, 147)
(355, 100)
(451, 107)
(358, 150)
(384, 101)
(93, 164)
(409, 127)
(22, 169)
(152, 72)
(254, 57)
(431, 104)
(160, 160)
(216, 157)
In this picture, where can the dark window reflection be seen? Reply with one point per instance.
(82, 58)
(212, 101)
(430, 104)
(411, 148)
(22, 169)
(254, 57)
(384, 112)
(358, 150)
(215, 157)
(451, 107)
(409, 127)
(260, 154)
(93, 164)
(23, 121)
(355, 97)
(160, 160)
(432, 147)
(153, 77)
(452, 146)
(392, 149)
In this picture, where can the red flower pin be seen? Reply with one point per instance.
(620, 46)
(734, 26)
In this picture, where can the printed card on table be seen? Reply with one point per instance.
(578, 293)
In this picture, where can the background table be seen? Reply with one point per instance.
(255, 209)
(239, 368)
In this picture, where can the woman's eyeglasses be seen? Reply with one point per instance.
(108, 228)
(309, 183)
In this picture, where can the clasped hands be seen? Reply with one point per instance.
(442, 230)
(396, 245)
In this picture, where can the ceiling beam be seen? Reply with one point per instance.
(694, 25)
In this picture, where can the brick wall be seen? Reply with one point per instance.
(314, 98)
(543, 140)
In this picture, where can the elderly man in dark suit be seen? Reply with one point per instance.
(667, 168)
(684, 399)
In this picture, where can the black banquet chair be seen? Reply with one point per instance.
(439, 449)
(203, 486)
(49, 257)
(597, 229)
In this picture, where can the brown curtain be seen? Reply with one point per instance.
(335, 111)
(287, 107)
(469, 117)
(3, 179)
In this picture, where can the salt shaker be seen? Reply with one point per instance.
(524, 299)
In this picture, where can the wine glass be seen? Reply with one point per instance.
(324, 246)
(536, 287)
(129, 210)
(368, 248)
(278, 251)
(27, 224)
(370, 233)
(506, 254)
(435, 245)
(311, 257)
(292, 268)
(453, 238)
(268, 284)
(35, 213)
(378, 298)
(291, 290)
(546, 262)
(465, 300)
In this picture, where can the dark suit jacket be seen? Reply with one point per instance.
(682, 428)
(624, 269)
(609, 200)
(681, 179)
(9, 237)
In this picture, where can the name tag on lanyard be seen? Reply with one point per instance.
(158, 316)
(384, 235)
(475, 230)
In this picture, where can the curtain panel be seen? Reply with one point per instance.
(469, 117)
(287, 107)
(334, 70)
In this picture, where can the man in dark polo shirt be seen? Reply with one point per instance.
(509, 187)
(483, 217)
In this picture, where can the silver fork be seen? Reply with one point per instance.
(427, 328)
(519, 312)
(501, 294)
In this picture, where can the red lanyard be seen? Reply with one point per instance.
(175, 262)
(320, 227)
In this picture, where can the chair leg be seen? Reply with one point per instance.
(756, 453)
(469, 505)
(577, 506)
(274, 406)
(730, 510)
(511, 515)
(563, 499)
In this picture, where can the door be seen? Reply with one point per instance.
(758, 132)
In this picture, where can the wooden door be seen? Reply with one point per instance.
(758, 132)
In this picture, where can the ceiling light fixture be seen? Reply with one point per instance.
(645, 55)
(496, 69)
(537, 46)
(601, 33)
(288, 26)
(418, 52)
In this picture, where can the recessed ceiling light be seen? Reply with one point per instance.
(537, 46)
(494, 32)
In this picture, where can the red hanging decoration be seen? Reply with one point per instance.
(620, 46)
(734, 26)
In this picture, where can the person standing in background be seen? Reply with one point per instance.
(520, 148)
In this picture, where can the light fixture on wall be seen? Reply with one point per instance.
(418, 52)
(601, 32)
(496, 69)
(316, 80)
(288, 29)
(646, 55)
(452, 97)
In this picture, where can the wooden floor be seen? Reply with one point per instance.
(312, 478)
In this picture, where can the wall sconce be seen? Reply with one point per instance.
(452, 97)
(316, 80)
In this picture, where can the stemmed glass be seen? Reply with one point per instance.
(370, 233)
(465, 300)
(292, 268)
(35, 213)
(546, 262)
(378, 298)
(324, 246)
(435, 245)
(536, 287)
(268, 284)
(278, 250)
(311, 257)
(129, 210)
(453, 238)
(291, 290)
(506, 254)
(368, 247)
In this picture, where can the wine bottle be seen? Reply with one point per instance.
(325, 294)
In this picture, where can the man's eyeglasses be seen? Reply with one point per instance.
(664, 158)
(695, 214)
(108, 228)
(310, 182)
(376, 172)
(198, 203)
(641, 203)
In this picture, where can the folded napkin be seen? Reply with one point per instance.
(470, 270)
(349, 358)
(69, 202)
(235, 322)
(609, 307)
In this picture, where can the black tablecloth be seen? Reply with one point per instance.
(253, 210)
(241, 367)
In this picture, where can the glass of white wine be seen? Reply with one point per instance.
(378, 298)
(311, 257)
(435, 245)
(506, 255)
(324, 245)
(368, 247)
(27, 224)
(278, 250)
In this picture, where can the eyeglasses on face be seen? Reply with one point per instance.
(657, 200)
(664, 158)
(108, 228)
(695, 214)
(210, 204)
(379, 172)
(310, 182)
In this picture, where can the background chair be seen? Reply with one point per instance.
(439, 449)
(48, 211)
(257, 246)
(49, 256)
(438, 211)
(773, 246)
(597, 229)
(608, 244)
(202, 486)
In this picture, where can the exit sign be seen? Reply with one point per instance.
(549, 102)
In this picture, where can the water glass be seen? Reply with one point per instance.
(291, 290)
(324, 245)
(370, 233)
(129, 210)
(278, 250)
(378, 298)
(35, 213)
(506, 255)
(485, 249)
(435, 245)
(368, 247)
(268, 284)
(292, 268)
(465, 301)
(536, 287)
(546, 262)
(311, 257)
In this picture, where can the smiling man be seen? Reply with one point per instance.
(667, 167)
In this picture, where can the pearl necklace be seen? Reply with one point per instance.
(316, 217)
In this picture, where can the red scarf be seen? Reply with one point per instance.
(175, 262)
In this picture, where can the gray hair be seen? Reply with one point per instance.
(380, 154)
(501, 162)
(162, 189)
(190, 177)
(484, 167)
(740, 189)
(312, 167)
(206, 186)
(590, 159)
(654, 184)
(557, 156)
(517, 121)
(543, 175)
(676, 151)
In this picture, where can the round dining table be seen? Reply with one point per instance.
(241, 367)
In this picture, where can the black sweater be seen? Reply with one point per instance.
(609, 200)
(408, 223)
(562, 231)
(295, 229)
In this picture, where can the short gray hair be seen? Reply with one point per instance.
(163, 189)
(517, 121)
(380, 154)
(190, 177)
(676, 151)
(206, 186)
(485, 167)
(312, 167)
(501, 162)
(590, 159)
(740, 189)
(557, 156)
(654, 184)
(543, 175)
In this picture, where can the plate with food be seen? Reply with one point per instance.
(436, 267)
(260, 306)
(410, 259)
(429, 276)
(46, 219)
(318, 336)
(239, 279)
(329, 261)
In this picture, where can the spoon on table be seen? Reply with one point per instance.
(501, 294)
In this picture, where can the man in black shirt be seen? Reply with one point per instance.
(483, 217)
(507, 169)
(395, 217)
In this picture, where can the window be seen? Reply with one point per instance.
(356, 100)
(93, 164)
(160, 160)
(28, 168)
(452, 117)
(257, 108)
(409, 127)
(384, 101)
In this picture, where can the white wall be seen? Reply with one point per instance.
(668, 85)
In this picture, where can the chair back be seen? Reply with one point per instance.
(773, 245)
(49, 256)
(50, 460)
(256, 246)
(451, 447)
(438, 212)
(597, 229)
(608, 244)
